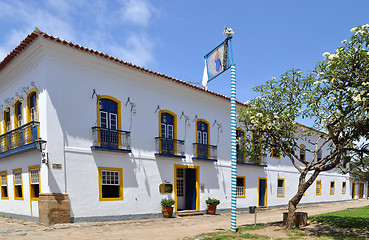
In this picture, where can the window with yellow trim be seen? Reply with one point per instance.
(167, 133)
(302, 152)
(109, 134)
(344, 187)
(110, 184)
(4, 185)
(331, 191)
(318, 187)
(276, 153)
(280, 187)
(241, 187)
(34, 181)
(32, 106)
(6, 120)
(18, 114)
(18, 184)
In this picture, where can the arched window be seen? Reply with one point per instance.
(302, 152)
(18, 114)
(202, 139)
(6, 120)
(167, 133)
(108, 112)
(202, 129)
(32, 106)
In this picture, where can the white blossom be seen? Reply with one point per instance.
(326, 54)
(365, 83)
(316, 83)
(344, 41)
(353, 29)
(259, 114)
(357, 98)
(332, 98)
(273, 78)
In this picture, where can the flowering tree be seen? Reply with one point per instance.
(335, 95)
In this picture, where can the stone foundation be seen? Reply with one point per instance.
(54, 208)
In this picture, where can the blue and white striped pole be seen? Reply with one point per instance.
(233, 149)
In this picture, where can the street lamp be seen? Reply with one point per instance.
(41, 146)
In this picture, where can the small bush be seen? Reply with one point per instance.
(167, 202)
(212, 201)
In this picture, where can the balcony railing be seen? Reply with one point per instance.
(204, 152)
(113, 140)
(257, 160)
(169, 147)
(19, 137)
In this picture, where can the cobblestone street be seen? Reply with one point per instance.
(174, 228)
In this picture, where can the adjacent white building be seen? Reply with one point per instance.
(115, 132)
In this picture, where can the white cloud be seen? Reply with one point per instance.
(138, 12)
(137, 50)
(93, 25)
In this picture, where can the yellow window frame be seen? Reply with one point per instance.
(7, 186)
(31, 192)
(280, 179)
(174, 127)
(318, 182)
(331, 188)
(344, 187)
(15, 189)
(244, 186)
(120, 170)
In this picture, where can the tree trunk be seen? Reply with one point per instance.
(303, 186)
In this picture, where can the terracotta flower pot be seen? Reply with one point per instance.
(212, 209)
(167, 212)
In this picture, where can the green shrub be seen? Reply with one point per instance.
(212, 201)
(167, 202)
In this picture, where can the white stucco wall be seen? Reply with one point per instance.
(66, 78)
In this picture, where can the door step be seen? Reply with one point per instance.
(185, 213)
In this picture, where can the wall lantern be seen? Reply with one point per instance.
(41, 146)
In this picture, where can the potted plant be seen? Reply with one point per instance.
(167, 207)
(212, 205)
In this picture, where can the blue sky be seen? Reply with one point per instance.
(172, 37)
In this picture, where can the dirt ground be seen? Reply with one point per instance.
(173, 228)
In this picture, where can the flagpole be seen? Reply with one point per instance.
(229, 32)
(233, 147)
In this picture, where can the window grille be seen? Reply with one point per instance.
(110, 178)
(280, 190)
(34, 176)
(180, 189)
(3, 180)
(17, 179)
(240, 191)
(318, 187)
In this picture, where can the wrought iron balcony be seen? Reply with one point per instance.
(257, 160)
(19, 139)
(111, 140)
(204, 152)
(169, 147)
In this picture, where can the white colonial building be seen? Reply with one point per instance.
(116, 132)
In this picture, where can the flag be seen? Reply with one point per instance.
(205, 77)
(216, 62)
